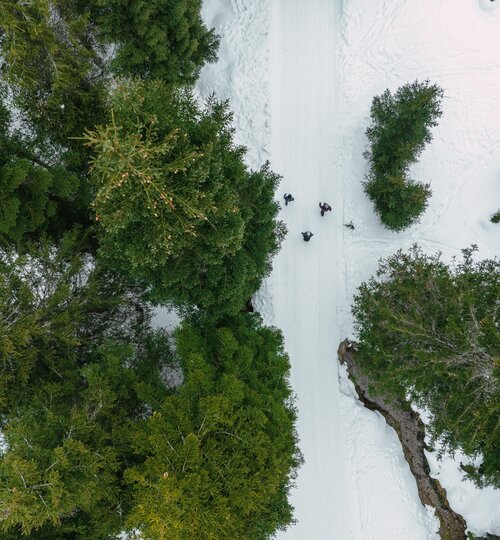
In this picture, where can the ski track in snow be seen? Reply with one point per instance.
(300, 77)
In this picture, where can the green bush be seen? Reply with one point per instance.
(176, 208)
(399, 131)
(495, 218)
(430, 332)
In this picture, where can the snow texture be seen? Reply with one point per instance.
(300, 76)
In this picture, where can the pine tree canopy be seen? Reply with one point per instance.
(400, 129)
(430, 331)
(175, 206)
(31, 191)
(154, 39)
(95, 442)
(77, 358)
(221, 452)
(53, 68)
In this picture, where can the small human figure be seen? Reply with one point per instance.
(325, 207)
(307, 235)
(288, 198)
(349, 225)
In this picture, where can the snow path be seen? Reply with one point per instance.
(351, 456)
(300, 76)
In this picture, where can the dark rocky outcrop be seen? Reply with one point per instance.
(411, 432)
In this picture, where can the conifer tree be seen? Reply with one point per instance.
(400, 129)
(54, 70)
(96, 443)
(54, 77)
(220, 452)
(77, 359)
(176, 208)
(31, 191)
(154, 39)
(430, 331)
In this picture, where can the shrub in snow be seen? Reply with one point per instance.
(430, 331)
(399, 132)
(495, 218)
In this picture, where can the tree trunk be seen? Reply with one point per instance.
(411, 432)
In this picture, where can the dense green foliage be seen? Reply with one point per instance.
(53, 75)
(31, 191)
(221, 451)
(95, 443)
(54, 70)
(57, 61)
(154, 39)
(495, 218)
(76, 354)
(94, 440)
(430, 332)
(399, 131)
(176, 207)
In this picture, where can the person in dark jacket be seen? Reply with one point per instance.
(288, 198)
(307, 235)
(325, 207)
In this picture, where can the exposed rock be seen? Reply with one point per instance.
(411, 431)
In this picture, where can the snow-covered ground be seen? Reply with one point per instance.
(300, 76)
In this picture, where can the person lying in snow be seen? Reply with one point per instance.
(307, 235)
(325, 207)
(288, 198)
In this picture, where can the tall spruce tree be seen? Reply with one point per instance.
(96, 443)
(175, 206)
(154, 39)
(54, 77)
(77, 360)
(54, 70)
(430, 331)
(221, 452)
(400, 129)
(32, 192)
(57, 61)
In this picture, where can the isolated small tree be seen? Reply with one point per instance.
(400, 129)
(495, 218)
(221, 452)
(430, 331)
(176, 208)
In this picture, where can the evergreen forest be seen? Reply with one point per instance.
(120, 193)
